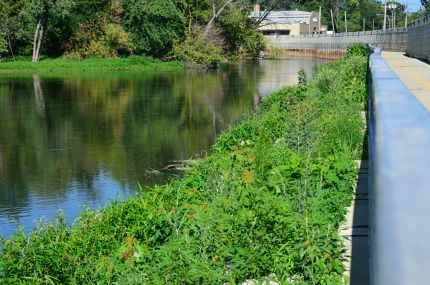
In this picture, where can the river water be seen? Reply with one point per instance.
(81, 139)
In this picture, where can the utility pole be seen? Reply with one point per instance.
(406, 13)
(364, 24)
(319, 22)
(373, 25)
(332, 21)
(346, 25)
(385, 15)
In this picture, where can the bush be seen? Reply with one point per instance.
(274, 53)
(195, 51)
(102, 41)
(254, 44)
(357, 49)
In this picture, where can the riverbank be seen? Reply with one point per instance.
(267, 201)
(61, 64)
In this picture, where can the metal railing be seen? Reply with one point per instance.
(340, 35)
(419, 22)
(399, 150)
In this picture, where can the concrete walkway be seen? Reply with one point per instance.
(355, 231)
(414, 73)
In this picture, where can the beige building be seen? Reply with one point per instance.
(288, 22)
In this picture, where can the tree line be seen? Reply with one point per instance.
(106, 28)
(190, 30)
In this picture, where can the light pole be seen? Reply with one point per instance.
(393, 6)
(385, 15)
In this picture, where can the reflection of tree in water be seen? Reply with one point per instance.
(13, 185)
(110, 124)
(38, 95)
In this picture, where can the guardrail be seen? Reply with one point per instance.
(340, 35)
(419, 22)
(419, 39)
(399, 150)
(392, 40)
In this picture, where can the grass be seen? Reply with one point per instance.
(267, 203)
(60, 64)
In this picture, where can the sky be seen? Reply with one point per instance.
(413, 5)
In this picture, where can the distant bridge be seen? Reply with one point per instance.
(414, 40)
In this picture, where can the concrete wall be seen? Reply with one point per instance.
(389, 40)
(419, 39)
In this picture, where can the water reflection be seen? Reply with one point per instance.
(74, 139)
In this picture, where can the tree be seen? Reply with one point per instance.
(3, 44)
(40, 12)
(154, 24)
(216, 14)
(97, 30)
(9, 25)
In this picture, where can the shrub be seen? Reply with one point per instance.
(274, 53)
(357, 49)
(196, 51)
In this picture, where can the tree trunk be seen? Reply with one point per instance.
(210, 24)
(38, 37)
(10, 46)
(35, 40)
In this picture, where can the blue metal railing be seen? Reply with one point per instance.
(399, 150)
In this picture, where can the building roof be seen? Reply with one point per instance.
(283, 17)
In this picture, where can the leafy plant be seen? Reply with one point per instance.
(274, 53)
(195, 51)
(357, 49)
(302, 77)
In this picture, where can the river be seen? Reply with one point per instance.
(70, 140)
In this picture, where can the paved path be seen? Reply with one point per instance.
(414, 73)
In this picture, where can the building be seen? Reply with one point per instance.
(288, 22)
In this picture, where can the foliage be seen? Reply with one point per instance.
(3, 43)
(240, 34)
(302, 77)
(154, 25)
(274, 53)
(109, 28)
(195, 51)
(111, 41)
(357, 49)
(371, 11)
(254, 43)
(268, 200)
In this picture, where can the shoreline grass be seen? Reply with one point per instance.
(268, 201)
(59, 64)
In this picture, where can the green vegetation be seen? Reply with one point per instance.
(359, 49)
(120, 63)
(78, 29)
(268, 201)
(164, 29)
